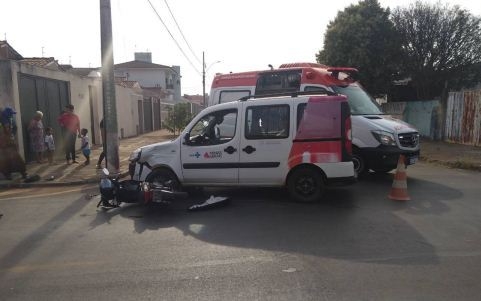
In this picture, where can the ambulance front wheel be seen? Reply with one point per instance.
(306, 185)
(359, 164)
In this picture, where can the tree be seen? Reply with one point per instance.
(363, 36)
(441, 47)
(178, 117)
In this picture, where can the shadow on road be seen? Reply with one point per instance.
(33, 241)
(357, 223)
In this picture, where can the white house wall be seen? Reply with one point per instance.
(78, 88)
(81, 90)
(127, 111)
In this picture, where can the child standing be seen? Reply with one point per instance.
(85, 145)
(49, 144)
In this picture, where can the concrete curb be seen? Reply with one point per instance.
(18, 184)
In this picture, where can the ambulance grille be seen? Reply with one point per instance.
(409, 139)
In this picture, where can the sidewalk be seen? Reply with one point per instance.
(60, 173)
(448, 154)
(451, 154)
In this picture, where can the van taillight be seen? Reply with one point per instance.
(348, 135)
(346, 132)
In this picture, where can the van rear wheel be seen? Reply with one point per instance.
(305, 185)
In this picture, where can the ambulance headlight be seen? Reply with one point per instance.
(385, 138)
(135, 155)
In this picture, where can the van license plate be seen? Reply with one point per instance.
(413, 160)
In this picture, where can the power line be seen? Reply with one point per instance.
(178, 46)
(180, 30)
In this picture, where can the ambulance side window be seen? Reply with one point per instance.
(232, 95)
(214, 128)
(315, 89)
(267, 122)
(278, 82)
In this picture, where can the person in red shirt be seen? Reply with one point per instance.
(70, 124)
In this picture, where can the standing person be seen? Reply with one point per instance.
(36, 133)
(85, 145)
(10, 159)
(102, 154)
(49, 144)
(7, 120)
(70, 123)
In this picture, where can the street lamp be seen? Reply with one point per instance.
(204, 70)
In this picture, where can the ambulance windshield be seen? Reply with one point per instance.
(359, 101)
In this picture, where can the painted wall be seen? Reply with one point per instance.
(127, 111)
(423, 115)
(6, 85)
(463, 117)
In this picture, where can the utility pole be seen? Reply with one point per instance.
(204, 70)
(203, 78)
(108, 89)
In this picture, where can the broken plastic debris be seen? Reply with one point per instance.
(210, 202)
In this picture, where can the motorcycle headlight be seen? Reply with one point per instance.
(385, 138)
(135, 155)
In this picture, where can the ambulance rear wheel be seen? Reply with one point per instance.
(305, 185)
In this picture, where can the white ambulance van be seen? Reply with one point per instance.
(300, 141)
(378, 139)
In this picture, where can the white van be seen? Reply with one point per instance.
(378, 139)
(299, 141)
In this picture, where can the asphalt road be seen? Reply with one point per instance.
(355, 245)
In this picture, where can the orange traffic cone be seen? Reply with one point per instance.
(399, 191)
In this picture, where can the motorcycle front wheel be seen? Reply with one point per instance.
(107, 204)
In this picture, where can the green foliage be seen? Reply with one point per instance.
(362, 36)
(178, 117)
(441, 47)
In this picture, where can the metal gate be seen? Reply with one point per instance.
(46, 95)
(140, 129)
(148, 116)
(156, 114)
(463, 117)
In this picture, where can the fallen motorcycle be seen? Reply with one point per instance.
(113, 192)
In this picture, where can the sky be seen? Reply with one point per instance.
(234, 36)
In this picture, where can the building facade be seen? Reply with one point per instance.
(31, 84)
(150, 75)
